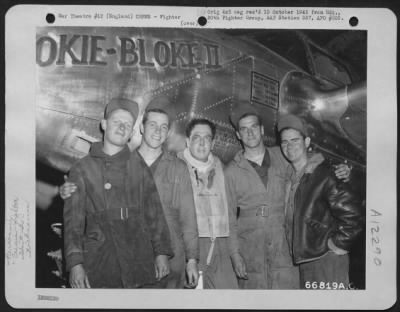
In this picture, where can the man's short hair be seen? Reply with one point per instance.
(241, 110)
(153, 110)
(200, 121)
(247, 115)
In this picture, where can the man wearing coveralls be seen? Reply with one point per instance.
(115, 233)
(256, 184)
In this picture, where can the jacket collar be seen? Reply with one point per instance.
(314, 160)
(242, 161)
(96, 151)
(167, 156)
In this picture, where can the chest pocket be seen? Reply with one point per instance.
(167, 187)
(276, 187)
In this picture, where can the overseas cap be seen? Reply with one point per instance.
(241, 109)
(164, 103)
(293, 122)
(160, 102)
(119, 103)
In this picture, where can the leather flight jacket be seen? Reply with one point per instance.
(324, 208)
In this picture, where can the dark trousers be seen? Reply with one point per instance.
(329, 272)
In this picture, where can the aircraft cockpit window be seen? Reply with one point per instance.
(328, 68)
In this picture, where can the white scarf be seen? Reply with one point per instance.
(199, 165)
(211, 211)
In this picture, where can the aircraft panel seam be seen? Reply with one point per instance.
(218, 103)
(173, 84)
(68, 113)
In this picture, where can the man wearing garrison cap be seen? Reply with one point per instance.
(256, 184)
(115, 232)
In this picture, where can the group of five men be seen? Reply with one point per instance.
(153, 219)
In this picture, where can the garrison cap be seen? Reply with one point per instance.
(293, 122)
(164, 103)
(159, 102)
(120, 103)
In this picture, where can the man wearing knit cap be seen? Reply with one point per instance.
(322, 216)
(256, 191)
(115, 232)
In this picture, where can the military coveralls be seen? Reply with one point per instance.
(259, 193)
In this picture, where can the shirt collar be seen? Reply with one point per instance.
(243, 162)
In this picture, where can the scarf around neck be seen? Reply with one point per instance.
(208, 183)
(199, 165)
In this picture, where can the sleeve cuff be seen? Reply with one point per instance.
(336, 249)
(72, 260)
(194, 261)
(195, 257)
(164, 252)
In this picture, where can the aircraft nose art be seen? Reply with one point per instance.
(81, 68)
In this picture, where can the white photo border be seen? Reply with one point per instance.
(380, 293)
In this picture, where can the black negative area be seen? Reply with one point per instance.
(46, 239)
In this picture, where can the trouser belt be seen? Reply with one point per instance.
(260, 211)
(121, 213)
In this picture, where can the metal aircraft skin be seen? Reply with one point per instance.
(204, 73)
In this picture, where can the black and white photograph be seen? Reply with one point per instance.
(189, 159)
